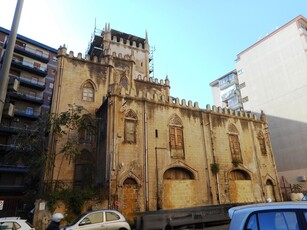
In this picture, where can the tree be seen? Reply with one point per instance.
(32, 143)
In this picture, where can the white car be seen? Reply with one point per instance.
(100, 219)
(269, 216)
(15, 223)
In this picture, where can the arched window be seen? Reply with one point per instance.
(130, 127)
(88, 92)
(178, 174)
(87, 129)
(261, 140)
(124, 82)
(234, 143)
(239, 175)
(176, 137)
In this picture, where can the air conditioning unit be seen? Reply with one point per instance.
(13, 84)
(8, 110)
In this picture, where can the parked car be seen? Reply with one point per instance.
(270, 216)
(15, 223)
(100, 219)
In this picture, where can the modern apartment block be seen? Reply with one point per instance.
(272, 77)
(29, 94)
(226, 91)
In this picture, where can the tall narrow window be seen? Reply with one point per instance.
(176, 137)
(234, 143)
(88, 92)
(130, 127)
(261, 140)
(124, 82)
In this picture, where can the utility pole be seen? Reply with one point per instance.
(6, 65)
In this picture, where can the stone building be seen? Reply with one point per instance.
(153, 151)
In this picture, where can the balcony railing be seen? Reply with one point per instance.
(30, 67)
(24, 96)
(33, 53)
(25, 113)
(14, 129)
(35, 84)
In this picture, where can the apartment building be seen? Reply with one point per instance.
(272, 78)
(29, 95)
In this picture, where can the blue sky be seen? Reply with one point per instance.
(196, 41)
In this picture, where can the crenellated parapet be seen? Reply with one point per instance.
(125, 39)
(62, 51)
(230, 112)
(152, 80)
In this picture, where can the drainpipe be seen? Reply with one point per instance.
(146, 159)
(5, 69)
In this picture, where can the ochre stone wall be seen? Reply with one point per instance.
(241, 191)
(179, 194)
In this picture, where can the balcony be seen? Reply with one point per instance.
(30, 83)
(32, 53)
(24, 96)
(8, 129)
(7, 148)
(27, 113)
(13, 173)
(30, 67)
(36, 54)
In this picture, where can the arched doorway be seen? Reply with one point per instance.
(130, 199)
(240, 186)
(179, 188)
(269, 190)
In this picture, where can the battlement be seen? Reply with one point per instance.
(231, 112)
(106, 60)
(132, 43)
(172, 101)
(125, 39)
(152, 80)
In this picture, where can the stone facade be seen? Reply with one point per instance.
(153, 151)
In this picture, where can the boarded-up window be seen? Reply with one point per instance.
(234, 143)
(262, 143)
(130, 127)
(176, 137)
(235, 147)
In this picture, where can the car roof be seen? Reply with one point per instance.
(11, 218)
(267, 206)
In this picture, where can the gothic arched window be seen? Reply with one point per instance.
(130, 127)
(176, 137)
(234, 143)
(88, 92)
(261, 140)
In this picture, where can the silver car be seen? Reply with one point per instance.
(100, 220)
(269, 216)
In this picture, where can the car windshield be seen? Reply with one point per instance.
(77, 219)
